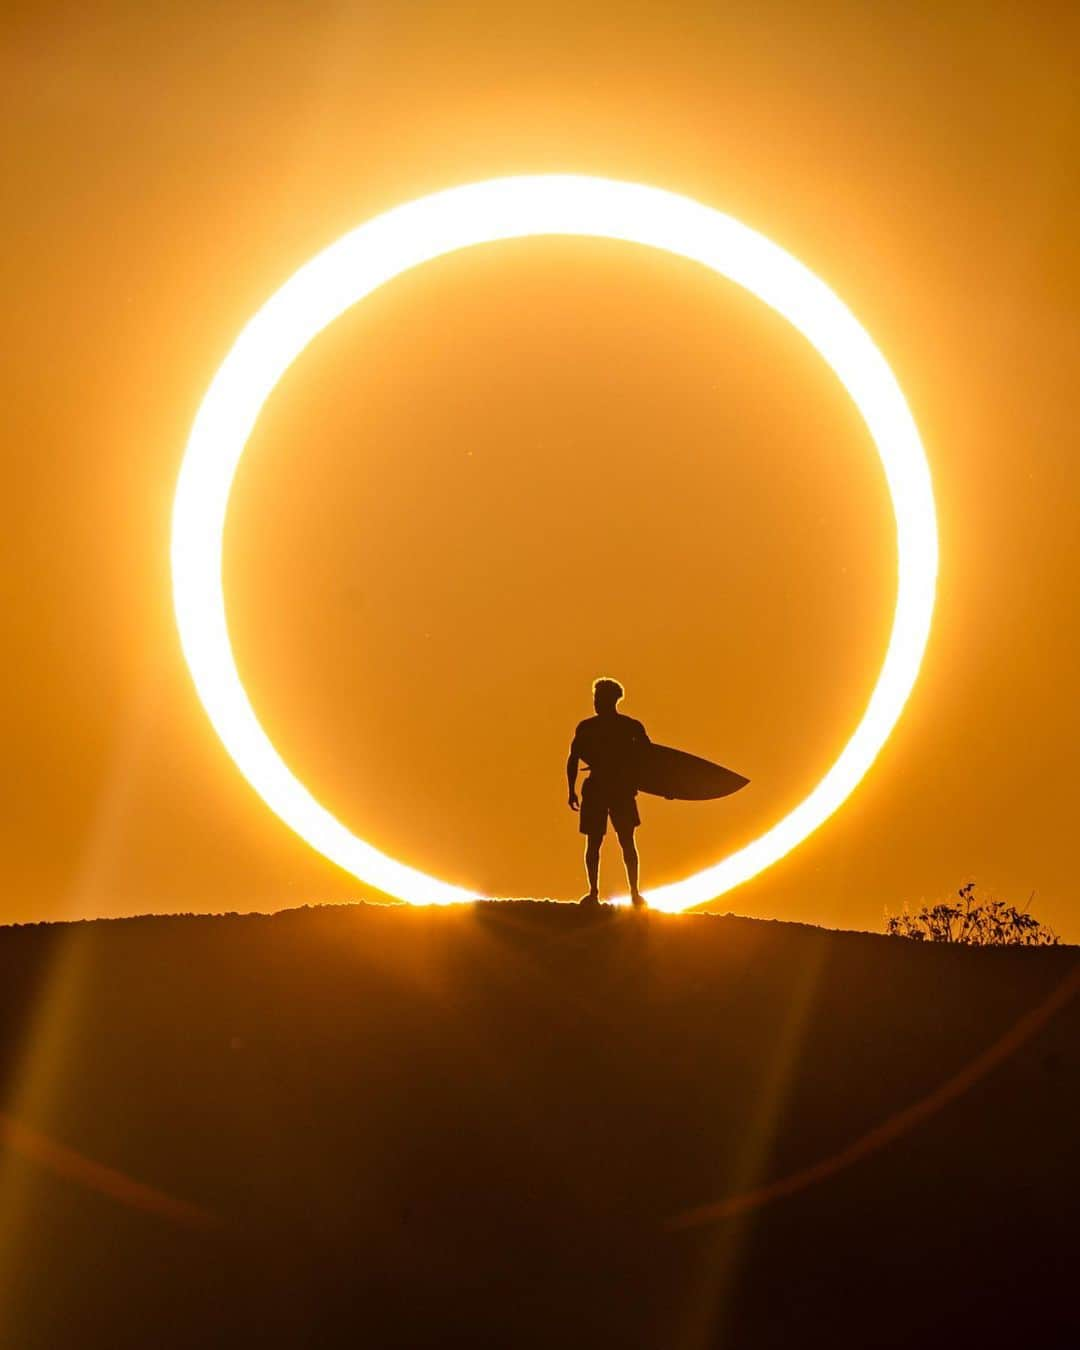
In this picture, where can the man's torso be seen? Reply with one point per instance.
(609, 745)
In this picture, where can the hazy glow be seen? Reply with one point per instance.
(509, 208)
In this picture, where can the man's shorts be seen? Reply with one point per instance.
(599, 801)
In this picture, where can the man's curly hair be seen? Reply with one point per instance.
(607, 691)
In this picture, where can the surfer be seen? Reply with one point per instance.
(609, 744)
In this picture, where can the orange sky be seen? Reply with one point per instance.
(529, 464)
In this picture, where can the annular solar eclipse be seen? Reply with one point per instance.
(516, 208)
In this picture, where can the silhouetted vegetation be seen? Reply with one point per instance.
(973, 922)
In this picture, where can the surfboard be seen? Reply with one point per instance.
(674, 774)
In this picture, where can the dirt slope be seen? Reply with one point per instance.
(393, 1127)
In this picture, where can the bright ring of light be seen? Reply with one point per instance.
(513, 208)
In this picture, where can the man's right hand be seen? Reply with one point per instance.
(573, 801)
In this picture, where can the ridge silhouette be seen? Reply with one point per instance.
(483, 1126)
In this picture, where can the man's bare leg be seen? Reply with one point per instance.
(592, 867)
(630, 858)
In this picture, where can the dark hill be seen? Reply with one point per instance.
(486, 1127)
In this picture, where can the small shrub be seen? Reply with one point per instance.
(972, 922)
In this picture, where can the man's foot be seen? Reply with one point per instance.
(589, 900)
(638, 900)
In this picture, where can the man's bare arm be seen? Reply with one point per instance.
(571, 779)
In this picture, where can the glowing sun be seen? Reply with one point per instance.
(513, 208)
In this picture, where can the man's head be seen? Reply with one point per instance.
(606, 694)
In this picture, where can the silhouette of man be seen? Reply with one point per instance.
(608, 743)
